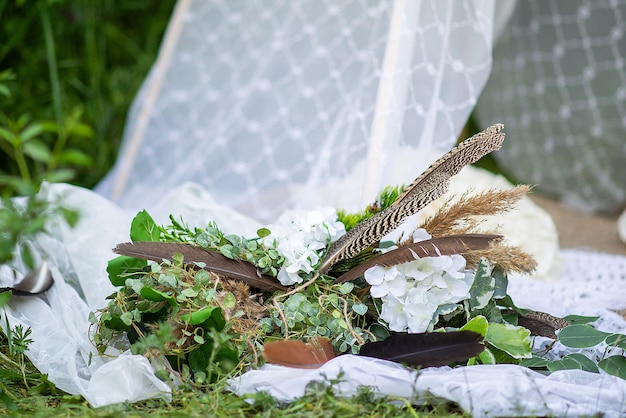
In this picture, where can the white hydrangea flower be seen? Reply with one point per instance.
(300, 237)
(412, 292)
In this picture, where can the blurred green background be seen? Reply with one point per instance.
(69, 70)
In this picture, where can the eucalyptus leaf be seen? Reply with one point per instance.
(359, 308)
(616, 340)
(573, 361)
(581, 336)
(263, 232)
(614, 365)
(535, 362)
(229, 300)
(579, 319)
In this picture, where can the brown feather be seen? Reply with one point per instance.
(453, 244)
(542, 324)
(296, 353)
(430, 349)
(214, 261)
(430, 185)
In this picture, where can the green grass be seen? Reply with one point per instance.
(82, 59)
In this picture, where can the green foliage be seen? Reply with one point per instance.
(76, 66)
(322, 309)
(20, 220)
(235, 247)
(143, 228)
(385, 199)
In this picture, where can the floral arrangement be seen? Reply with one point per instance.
(320, 283)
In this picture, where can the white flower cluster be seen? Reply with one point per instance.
(412, 292)
(300, 238)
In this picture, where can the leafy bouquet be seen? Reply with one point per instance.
(325, 282)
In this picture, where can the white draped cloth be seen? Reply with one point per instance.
(253, 108)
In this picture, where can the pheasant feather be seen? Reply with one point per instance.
(214, 261)
(430, 185)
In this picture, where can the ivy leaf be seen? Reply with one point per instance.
(501, 283)
(477, 324)
(614, 365)
(117, 267)
(487, 357)
(143, 228)
(507, 302)
(573, 361)
(581, 336)
(483, 287)
(511, 339)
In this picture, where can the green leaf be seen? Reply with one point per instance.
(511, 339)
(71, 216)
(614, 365)
(5, 297)
(616, 340)
(263, 232)
(573, 361)
(581, 336)
(202, 277)
(60, 176)
(127, 318)
(487, 357)
(507, 302)
(229, 300)
(76, 158)
(208, 317)
(579, 319)
(346, 287)
(483, 287)
(535, 362)
(501, 283)
(117, 267)
(154, 295)
(229, 251)
(359, 308)
(36, 150)
(478, 325)
(31, 131)
(143, 228)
